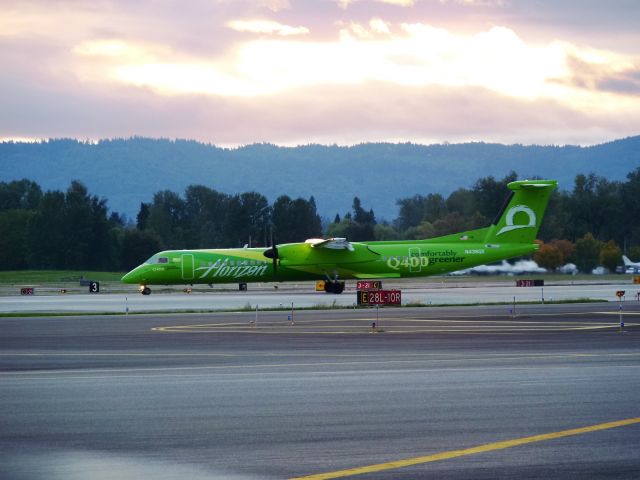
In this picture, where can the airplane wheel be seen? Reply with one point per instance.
(146, 291)
(334, 287)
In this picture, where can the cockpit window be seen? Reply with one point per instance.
(155, 259)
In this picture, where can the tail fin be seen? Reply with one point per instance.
(519, 219)
(627, 261)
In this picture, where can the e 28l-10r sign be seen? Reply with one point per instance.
(379, 297)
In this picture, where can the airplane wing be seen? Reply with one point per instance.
(331, 243)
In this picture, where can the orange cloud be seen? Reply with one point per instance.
(289, 72)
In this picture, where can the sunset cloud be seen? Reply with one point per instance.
(344, 4)
(400, 3)
(418, 55)
(275, 5)
(478, 3)
(268, 27)
(336, 72)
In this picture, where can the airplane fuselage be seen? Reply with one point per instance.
(368, 261)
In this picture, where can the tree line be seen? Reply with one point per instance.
(589, 225)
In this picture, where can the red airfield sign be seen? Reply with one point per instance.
(379, 297)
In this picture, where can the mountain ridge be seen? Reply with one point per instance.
(129, 171)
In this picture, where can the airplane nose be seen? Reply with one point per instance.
(126, 278)
(131, 277)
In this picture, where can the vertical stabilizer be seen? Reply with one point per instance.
(519, 220)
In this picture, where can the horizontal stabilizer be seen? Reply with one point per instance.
(627, 261)
(527, 186)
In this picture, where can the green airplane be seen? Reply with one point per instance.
(512, 234)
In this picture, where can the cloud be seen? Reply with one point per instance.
(343, 114)
(376, 111)
(275, 5)
(344, 4)
(621, 77)
(311, 72)
(625, 83)
(110, 48)
(375, 27)
(478, 3)
(267, 27)
(379, 26)
(400, 3)
(405, 56)
(496, 59)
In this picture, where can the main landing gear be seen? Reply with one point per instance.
(333, 286)
(145, 290)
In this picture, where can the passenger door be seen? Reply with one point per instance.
(187, 266)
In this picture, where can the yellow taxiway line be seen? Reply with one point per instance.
(467, 451)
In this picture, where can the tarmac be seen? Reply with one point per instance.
(547, 391)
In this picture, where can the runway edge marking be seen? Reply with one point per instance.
(468, 451)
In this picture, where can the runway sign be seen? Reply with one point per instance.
(379, 297)
(369, 285)
(539, 282)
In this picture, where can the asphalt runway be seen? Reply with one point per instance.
(433, 393)
(449, 291)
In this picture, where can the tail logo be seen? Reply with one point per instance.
(511, 215)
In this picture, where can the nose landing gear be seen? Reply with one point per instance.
(144, 290)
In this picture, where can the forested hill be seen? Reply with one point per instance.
(129, 171)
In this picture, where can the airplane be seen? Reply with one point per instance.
(520, 267)
(630, 267)
(334, 260)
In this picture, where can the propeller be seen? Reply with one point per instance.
(273, 254)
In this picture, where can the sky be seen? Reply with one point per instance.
(343, 72)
